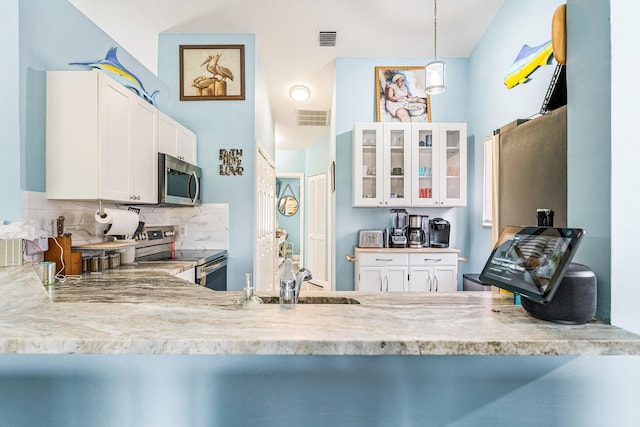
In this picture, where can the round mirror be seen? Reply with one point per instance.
(288, 205)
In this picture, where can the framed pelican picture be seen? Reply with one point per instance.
(400, 94)
(211, 72)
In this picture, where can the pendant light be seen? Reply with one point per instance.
(435, 69)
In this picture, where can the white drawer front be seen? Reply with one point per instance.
(426, 259)
(383, 259)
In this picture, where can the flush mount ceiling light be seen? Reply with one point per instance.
(299, 93)
(435, 69)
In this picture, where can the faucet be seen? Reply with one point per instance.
(303, 275)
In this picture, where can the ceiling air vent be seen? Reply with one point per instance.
(312, 117)
(327, 38)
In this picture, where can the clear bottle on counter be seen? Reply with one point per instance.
(288, 285)
(248, 299)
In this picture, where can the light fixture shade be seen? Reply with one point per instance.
(299, 93)
(435, 78)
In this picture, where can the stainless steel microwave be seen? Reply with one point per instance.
(179, 182)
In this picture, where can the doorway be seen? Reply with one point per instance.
(290, 215)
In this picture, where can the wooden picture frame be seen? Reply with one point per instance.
(416, 110)
(211, 72)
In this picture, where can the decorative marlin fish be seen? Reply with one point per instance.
(528, 61)
(115, 69)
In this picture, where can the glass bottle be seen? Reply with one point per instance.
(248, 298)
(287, 285)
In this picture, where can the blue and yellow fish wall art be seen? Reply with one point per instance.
(528, 60)
(112, 67)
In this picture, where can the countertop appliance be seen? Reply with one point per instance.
(179, 182)
(157, 244)
(370, 239)
(417, 236)
(439, 231)
(398, 238)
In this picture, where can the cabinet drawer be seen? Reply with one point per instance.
(381, 259)
(433, 259)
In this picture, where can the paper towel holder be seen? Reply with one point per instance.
(100, 211)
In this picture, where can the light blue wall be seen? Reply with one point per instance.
(589, 132)
(355, 102)
(10, 171)
(221, 125)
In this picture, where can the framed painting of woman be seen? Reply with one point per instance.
(400, 94)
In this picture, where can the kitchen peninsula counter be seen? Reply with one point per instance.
(145, 310)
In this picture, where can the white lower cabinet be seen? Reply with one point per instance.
(381, 271)
(433, 272)
(406, 270)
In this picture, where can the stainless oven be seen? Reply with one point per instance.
(157, 243)
(179, 182)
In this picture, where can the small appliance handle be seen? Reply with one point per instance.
(195, 177)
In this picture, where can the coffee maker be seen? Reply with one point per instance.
(398, 237)
(439, 230)
(417, 236)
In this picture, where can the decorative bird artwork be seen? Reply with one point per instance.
(216, 84)
(528, 60)
(112, 66)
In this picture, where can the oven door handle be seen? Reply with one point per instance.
(211, 268)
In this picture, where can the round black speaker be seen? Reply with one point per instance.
(574, 302)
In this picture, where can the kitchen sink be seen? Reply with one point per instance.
(314, 300)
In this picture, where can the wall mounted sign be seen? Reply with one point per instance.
(231, 162)
(401, 95)
(211, 72)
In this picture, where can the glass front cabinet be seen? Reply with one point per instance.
(439, 175)
(382, 164)
(409, 164)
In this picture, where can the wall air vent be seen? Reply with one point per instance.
(312, 117)
(327, 38)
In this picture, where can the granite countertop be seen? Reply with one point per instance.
(144, 309)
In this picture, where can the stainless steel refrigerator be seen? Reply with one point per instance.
(530, 170)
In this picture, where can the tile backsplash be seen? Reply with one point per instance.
(203, 227)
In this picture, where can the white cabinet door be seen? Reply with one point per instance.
(439, 154)
(446, 279)
(382, 279)
(143, 159)
(397, 164)
(176, 140)
(396, 279)
(433, 279)
(453, 164)
(370, 279)
(367, 165)
(420, 279)
(115, 141)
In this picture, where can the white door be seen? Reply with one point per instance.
(265, 250)
(317, 229)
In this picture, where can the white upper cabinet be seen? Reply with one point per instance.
(176, 140)
(101, 140)
(381, 164)
(409, 164)
(439, 170)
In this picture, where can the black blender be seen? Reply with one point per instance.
(398, 237)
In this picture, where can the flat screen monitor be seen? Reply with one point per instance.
(531, 261)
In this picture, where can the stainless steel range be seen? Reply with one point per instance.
(157, 243)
